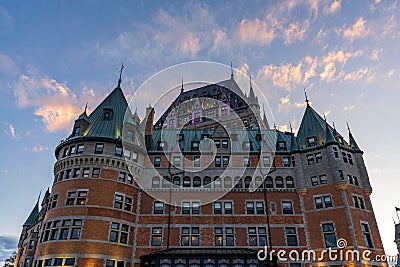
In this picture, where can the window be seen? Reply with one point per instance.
(266, 161)
(246, 146)
(157, 161)
(58, 261)
(177, 161)
(217, 207)
(350, 179)
(217, 162)
(196, 161)
(358, 202)
(291, 236)
(106, 116)
(257, 236)
(129, 135)
(312, 141)
(246, 162)
(156, 236)
(78, 197)
(122, 202)
(286, 161)
(228, 207)
(129, 180)
(76, 173)
(289, 182)
(47, 262)
(127, 154)
(355, 180)
(158, 207)
(86, 172)
(344, 156)
(217, 143)
(31, 244)
(27, 262)
(279, 182)
(336, 152)
(254, 207)
(225, 161)
(60, 176)
(118, 151)
(287, 207)
(341, 176)
(322, 179)
(195, 145)
(250, 207)
(328, 230)
(155, 183)
(314, 180)
(281, 145)
(61, 230)
(114, 263)
(318, 157)
(323, 202)
(190, 236)
(80, 149)
(121, 177)
(119, 232)
(99, 149)
(207, 182)
(310, 159)
(186, 181)
(367, 235)
(161, 145)
(53, 201)
(350, 159)
(224, 143)
(96, 173)
(65, 153)
(72, 150)
(269, 183)
(222, 236)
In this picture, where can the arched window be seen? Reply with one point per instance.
(279, 182)
(155, 183)
(247, 182)
(227, 182)
(238, 182)
(217, 182)
(269, 183)
(207, 182)
(177, 181)
(196, 181)
(258, 181)
(289, 182)
(165, 182)
(186, 181)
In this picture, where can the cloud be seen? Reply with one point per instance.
(328, 63)
(37, 148)
(8, 244)
(4, 171)
(256, 31)
(334, 7)
(294, 32)
(361, 74)
(375, 54)
(11, 131)
(358, 30)
(54, 102)
(346, 108)
(7, 65)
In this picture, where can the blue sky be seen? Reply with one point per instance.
(57, 55)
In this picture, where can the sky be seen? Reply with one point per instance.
(56, 56)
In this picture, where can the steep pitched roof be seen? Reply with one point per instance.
(116, 104)
(32, 216)
(311, 125)
(353, 143)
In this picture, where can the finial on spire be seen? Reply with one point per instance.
(86, 107)
(324, 117)
(231, 70)
(305, 93)
(274, 125)
(348, 127)
(290, 125)
(120, 74)
(250, 81)
(334, 127)
(182, 85)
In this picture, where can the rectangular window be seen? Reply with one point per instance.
(322, 179)
(335, 152)
(286, 162)
(355, 180)
(266, 161)
(350, 179)
(310, 159)
(358, 202)
(129, 180)
(162, 145)
(78, 197)
(58, 261)
(291, 236)
(329, 235)
(118, 151)
(260, 207)
(341, 176)
(121, 177)
(367, 235)
(96, 173)
(250, 207)
(314, 180)
(311, 141)
(86, 172)
(257, 236)
(53, 201)
(318, 157)
(225, 161)
(66, 229)
(217, 161)
(218, 236)
(72, 150)
(282, 145)
(123, 202)
(344, 155)
(190, 236)
(196, 161)
(287, 207)
(119, 232)
(323, 202)
(69, 262)
(224, 143)
(350, 159)
(80, 149)
(222, 236)
(76, 173)
(177, 161)
(228, 207)
(127, 154)
(158, 207)
(217, 208)
(195, 145)
(99, 149)
(157, 161)
(217, 143)
(156, 236)
(129, 135)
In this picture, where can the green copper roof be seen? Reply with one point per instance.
(32, 217)
(313, 125)
(353, 143)
(107, 125)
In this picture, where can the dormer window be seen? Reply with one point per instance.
(195, 145)
(312, 141)
(77, 129)
(107, 114)
(282, 145)
(162, 145)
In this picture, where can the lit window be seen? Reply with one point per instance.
(222, 235)
(156, 236)
(257, 236)
(78, 197)
(123, 202)
(190, 236)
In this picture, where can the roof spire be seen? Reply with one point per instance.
(329, 138)
(305, 93)
(290, 125)
(231, 70)
(352, 141)
(86, 107)
(120, 74)
(251, 86)
(182, 85)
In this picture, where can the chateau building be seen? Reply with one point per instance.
(207, 184)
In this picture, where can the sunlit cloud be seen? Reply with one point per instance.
(11, 131)
(358, 30)
(7, 65)
(294, 32)
(256, 31)
(361, 74)
(347, 108)
(334, 7)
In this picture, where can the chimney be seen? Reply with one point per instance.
(149, 121)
